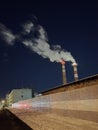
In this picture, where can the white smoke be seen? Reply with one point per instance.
(27, 27)
(42, 34)
(7, 34)
(35, 38)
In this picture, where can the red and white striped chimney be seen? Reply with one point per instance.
(75, 71)
(63, 72)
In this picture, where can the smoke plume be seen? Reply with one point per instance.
(35, 38)
(7, 34)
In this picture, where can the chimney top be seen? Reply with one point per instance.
(62, 62)
(74, 64)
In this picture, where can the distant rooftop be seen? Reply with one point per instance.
(90, 78)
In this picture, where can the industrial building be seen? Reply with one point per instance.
(18, 94)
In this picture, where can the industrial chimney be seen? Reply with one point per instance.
(75, 71)
(63, 72)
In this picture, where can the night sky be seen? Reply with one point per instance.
(72, 25)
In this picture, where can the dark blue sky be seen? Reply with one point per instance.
(73, 25)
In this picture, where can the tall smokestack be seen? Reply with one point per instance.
(75, 71)
(63, 72)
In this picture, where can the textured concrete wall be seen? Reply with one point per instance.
(81, 103)
(77, 99)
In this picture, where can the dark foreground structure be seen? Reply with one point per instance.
(9, 121)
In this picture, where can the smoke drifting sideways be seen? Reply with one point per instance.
(7, 35)
(35, 38)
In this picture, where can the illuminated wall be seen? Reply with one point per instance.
(81, 103)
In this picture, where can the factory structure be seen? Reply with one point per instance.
(78, 90)
(18, 95)
(77, 99)
(75, 71)
(64, 79)
(23, 94)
